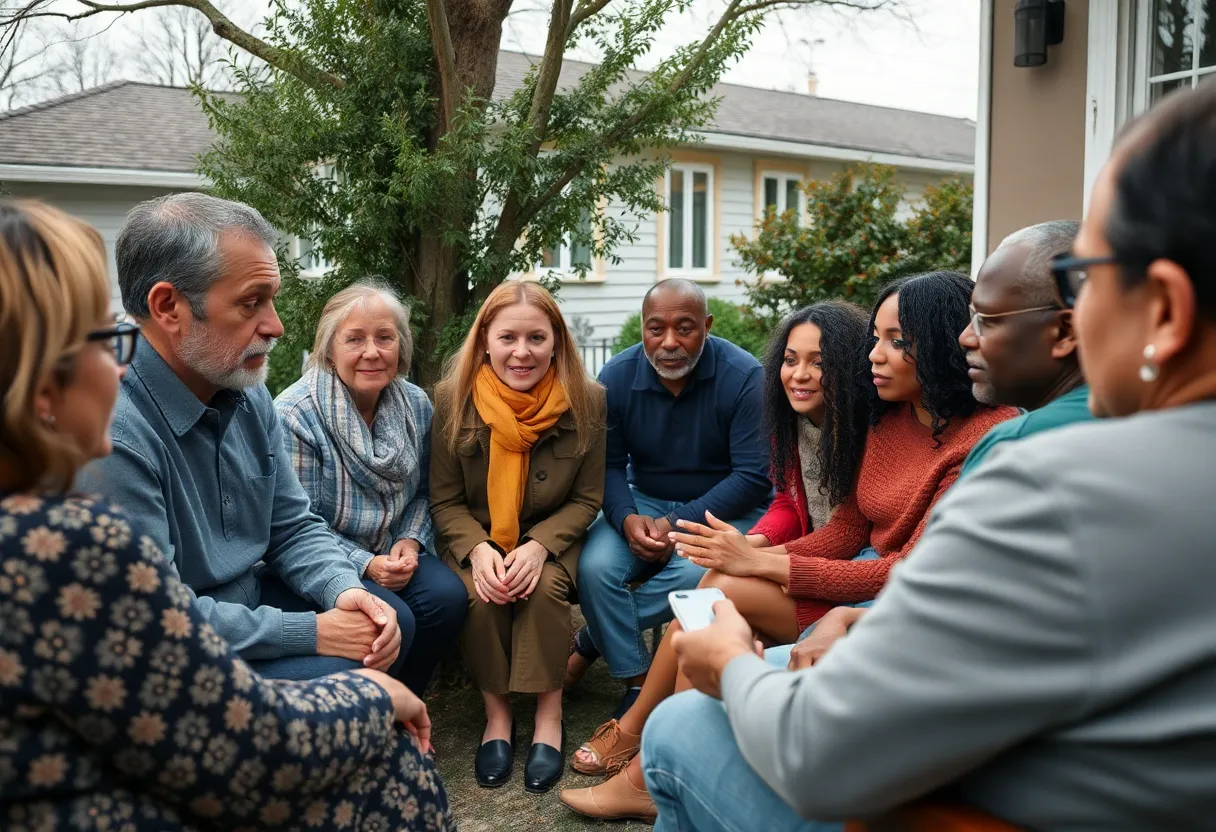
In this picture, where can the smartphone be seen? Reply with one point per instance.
(694, 608)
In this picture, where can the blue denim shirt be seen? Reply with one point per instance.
(703, 448)
(211, 485)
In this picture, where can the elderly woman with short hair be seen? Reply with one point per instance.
(358, 434)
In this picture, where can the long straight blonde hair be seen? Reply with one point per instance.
(454, 394)
(53, 291)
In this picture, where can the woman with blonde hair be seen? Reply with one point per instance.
(120, 706)
(359, 436)
(517, 476)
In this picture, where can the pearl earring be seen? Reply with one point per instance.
(1149, 370)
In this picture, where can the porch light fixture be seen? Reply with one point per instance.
(1037, 24)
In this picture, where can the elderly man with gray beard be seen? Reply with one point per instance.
(684, 439)
(198, 454)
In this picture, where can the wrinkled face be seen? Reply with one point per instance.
(520, 342)
(84, 404)
(365, 349)
(892, 359)
(1011, 360)
(229, 349)
(674, 329)
(802, 372)
(1112, 327)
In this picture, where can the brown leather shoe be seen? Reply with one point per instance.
(614, 799)
(613, 748)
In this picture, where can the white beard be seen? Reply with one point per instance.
(219, 366)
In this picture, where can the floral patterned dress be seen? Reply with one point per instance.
(122, 709)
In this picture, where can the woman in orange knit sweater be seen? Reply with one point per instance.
(924, 423)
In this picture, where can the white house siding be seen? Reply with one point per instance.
(613, 292)
(102, 206)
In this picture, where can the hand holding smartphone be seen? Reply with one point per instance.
(694, 608)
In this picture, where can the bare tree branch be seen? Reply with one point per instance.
(221, 24)
(585, 11)
(445, 57)
(538, 114)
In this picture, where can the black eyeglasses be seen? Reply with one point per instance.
(122, 338)
(1071, 272)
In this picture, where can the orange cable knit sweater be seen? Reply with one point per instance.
(902, 476)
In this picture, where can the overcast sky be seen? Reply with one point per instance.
(931, 64)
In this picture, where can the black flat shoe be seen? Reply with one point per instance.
(494, 762)
(545, 765)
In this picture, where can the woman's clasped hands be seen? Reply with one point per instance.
(500, 579)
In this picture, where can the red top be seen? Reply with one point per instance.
(787, 517)
(902, 476)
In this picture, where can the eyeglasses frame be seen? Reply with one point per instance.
(124, 351)
(1063, 264)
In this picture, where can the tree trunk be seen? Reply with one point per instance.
(441, 285)
(442, 297)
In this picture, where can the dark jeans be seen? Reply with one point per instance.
(430, 611)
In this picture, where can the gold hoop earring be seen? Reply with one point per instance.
(1149, 370)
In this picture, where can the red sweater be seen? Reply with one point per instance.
(902, 476)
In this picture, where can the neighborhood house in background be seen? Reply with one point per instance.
(759, 144)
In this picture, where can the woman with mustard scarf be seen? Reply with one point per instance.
(517, 476)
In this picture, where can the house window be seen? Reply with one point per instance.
(690, 224)
(1180, 47)
(304, 249)
(312, 262)
(782, 192)
(573, 254)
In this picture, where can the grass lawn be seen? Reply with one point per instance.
(459, 719)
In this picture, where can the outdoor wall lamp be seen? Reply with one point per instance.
(1037, 24)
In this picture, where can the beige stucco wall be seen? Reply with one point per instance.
(1037, 127)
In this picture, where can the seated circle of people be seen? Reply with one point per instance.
(358, 435)
(517, 477)
(1021, 351)
(1028, 662)
(684, 411)
(198, 449)
(816, 409)
(121, 705)
(924, 422)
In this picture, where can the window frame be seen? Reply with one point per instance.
(1143, 81)
(321, 265)
(564, 270)
(688, 169)
(783, 178)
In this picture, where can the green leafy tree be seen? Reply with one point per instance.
(372, 128)
(853, 240)
(733, 322)
(939, 231)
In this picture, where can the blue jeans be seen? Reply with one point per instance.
(780, 656)
(430, 611)
(617, 616)
(699, 779)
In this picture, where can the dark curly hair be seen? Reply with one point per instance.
(933, 311)
(843, 343)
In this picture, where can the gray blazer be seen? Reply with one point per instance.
(1048, 650)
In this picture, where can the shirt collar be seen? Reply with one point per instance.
(645, 377)
(177, 402)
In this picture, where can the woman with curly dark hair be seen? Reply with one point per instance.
(924, 423)
(816, 409)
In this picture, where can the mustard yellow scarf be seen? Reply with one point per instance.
(515, 420)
